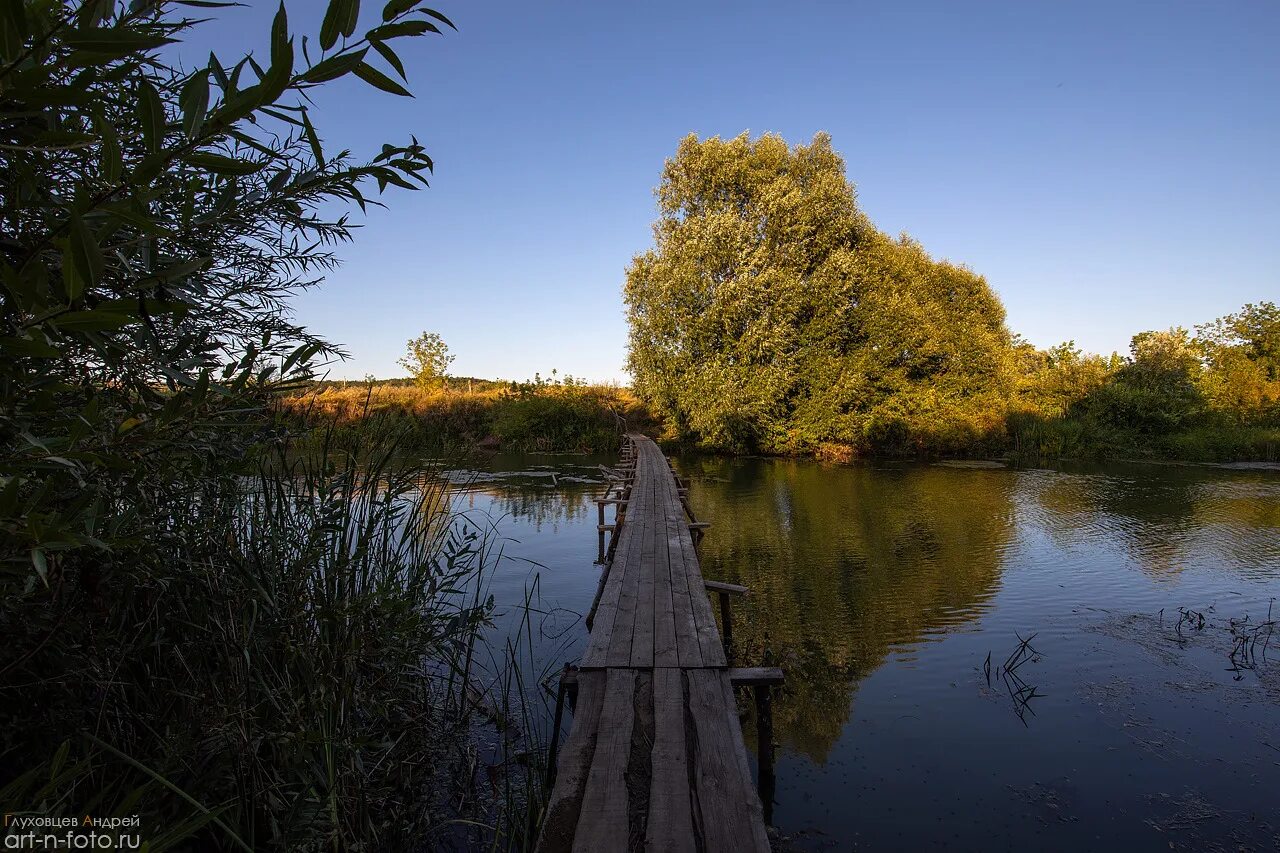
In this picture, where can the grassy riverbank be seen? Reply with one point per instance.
(1038, 422)
(541, 415)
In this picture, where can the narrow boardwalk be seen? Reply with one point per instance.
(655, 759)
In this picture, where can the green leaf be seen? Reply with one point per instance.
(194, 101)
(135, 216)
(13, 28)
(41, 564)
(28, 347)
(403, 28)
(90, 321)
(280, 38)
(390, 56)
(339, 19)
(377, 79)
(57, 140)
(220, 165)
(281, 72)
(397, 7)
(85, 253)
(439, 17)
(113, 41)
(313, 140)
(111, 158)
(334, 66)
(150, 116)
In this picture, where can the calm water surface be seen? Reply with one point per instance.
(882, 589)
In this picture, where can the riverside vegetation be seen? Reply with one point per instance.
(260, 631)
(772, 316)
(248, 642)
(542, 414)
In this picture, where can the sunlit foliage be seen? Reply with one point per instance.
(771, 315)
(427, 359)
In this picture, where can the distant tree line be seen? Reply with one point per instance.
(771, 315)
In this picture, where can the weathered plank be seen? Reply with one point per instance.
(642, 638)
(666, 648)
(626, 556)
(755, 676)
(721, 586)
(624, 623)
(686, 626)
(573, 767)
(729, 816)
(604, 803)
(708, 636)
(670, 825)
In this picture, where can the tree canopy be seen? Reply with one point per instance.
(771, 314)
(427, 359)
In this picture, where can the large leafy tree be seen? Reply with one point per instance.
(772, 314)
(154, 221)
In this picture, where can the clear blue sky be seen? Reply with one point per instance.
(1108, 166)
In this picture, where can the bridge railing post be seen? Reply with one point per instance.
(762, 680)
(561, 689)
(726, 620)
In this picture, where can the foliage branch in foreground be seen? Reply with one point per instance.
(154, 220)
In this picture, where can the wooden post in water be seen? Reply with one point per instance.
(764, 749)
(726, 620)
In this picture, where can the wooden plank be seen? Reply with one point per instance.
(564, 807)
(728, 810)
(751, 676)
(642, 639)
(721, 586)
(605, 824)
(626, 557)
(670, 825)
(708, 635)
(666, 647)
(686, 627)
(624, 619)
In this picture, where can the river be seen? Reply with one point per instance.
(1141, 713)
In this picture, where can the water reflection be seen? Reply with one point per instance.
(1165, 517)
(534, 490)
(845, 566)
(881, 588)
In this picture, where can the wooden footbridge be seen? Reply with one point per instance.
(655, 758)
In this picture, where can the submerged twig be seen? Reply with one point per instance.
(1020, 692)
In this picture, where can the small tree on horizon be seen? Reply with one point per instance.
(427, 359)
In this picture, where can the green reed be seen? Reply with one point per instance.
(288, 665)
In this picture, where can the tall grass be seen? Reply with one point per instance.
(530, 416)
(289, 665)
